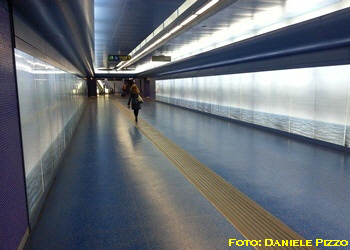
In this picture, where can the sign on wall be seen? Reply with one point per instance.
(119, 58)
(161, 58)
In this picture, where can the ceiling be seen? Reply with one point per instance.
(251, 19)
(120, 25)
(215, 23)
(87, 31)
(67, 25)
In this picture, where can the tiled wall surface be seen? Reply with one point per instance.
(51, 102)
(13, 211)
(312, 102)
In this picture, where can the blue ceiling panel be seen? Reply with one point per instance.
(121, 25)
(337, 30)
(87, 31)
(67, 25)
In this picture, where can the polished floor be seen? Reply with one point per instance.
(116, 190)
(304, 185)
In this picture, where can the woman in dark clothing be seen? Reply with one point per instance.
(135, 104)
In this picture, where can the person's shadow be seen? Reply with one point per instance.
(135, 136)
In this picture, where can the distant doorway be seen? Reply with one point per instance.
(146, 88)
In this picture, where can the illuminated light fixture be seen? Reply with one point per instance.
(165, 36)
(269, 15)
(147, 49)
(209, 5)
(295, 5)
(176, 29)
(189, 19)
(181, 25)
(155, 43)
(248, 27)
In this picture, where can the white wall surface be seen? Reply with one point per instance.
(312, 102)
(51, 102)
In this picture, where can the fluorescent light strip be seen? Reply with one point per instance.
(183, 7)
(251, 31)
(175, 29)
(207, 7)
(189, 19)
(165, 36)
(155, 43)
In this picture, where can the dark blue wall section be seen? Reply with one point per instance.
(13, 211)
(327, 57)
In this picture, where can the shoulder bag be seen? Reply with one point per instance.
(139, 98)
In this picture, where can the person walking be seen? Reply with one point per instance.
(134, 99)
(124, 89)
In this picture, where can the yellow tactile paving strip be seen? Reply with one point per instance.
(250, 219)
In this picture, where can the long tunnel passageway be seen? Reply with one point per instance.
(119, 188)
(116, 190)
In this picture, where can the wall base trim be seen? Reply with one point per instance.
(24, 240)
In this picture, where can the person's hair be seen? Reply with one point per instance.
(134, 89)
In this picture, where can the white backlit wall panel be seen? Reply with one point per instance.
(175, 91)
(225, 92)
(179, 85)
(55, 118)
(183, 100)
(163, 89)
(165, 94)
(302, 103)
(194, 93)
(29, 125)
(235, 96)
(280, 100)
(247, 97)
(170, 90)
(215, 90)
(49, 113)
(313, 102)
(159, 90)
(187, 93)
(41, 86)
(261, 98)
(177, 94)
(201, 93)
(330, 103)
(165, 82)
(207, 82)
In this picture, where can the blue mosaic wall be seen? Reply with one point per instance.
(13, 211)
